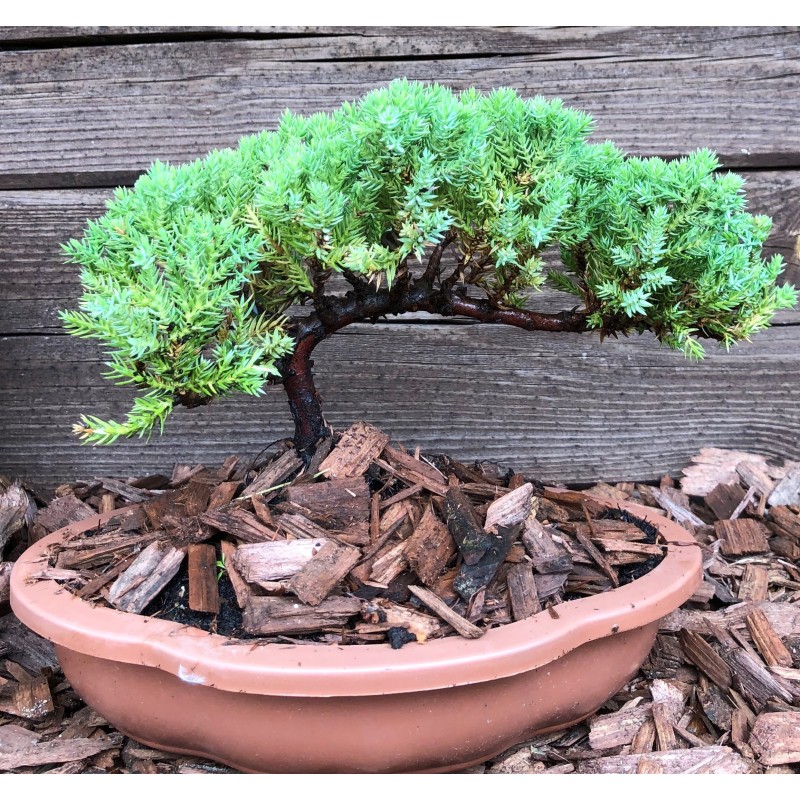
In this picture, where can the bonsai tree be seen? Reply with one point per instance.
(212, 277)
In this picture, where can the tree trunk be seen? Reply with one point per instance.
(304, 401)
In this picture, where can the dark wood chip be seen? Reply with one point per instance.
(284, 615)
(473, 577)
(357, 448)
(742, 536)
(57, 751)
(769, 644)
(522, 591)
(594, 553)
(465, 526)
(128, 492)
(724, 498)
(463, 626)
(787, 521)
(203, 585)
(241, 524)
(703, 656)
(318, 578)
(274, 474)
(546, 554)
(413, 471)
(61, 512)
(33, 700)
(5, 581)
(222, 494)
(429, 548)
(340, 501)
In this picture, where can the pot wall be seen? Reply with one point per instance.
(426, 731)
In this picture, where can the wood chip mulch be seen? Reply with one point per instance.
(720, 691)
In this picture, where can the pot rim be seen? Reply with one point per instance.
(236, 665)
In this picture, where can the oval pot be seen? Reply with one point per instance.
(433, 707)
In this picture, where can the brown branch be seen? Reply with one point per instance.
(404, 296)
(573, 321)
(432, 271)
(452, 279)
(356, 281)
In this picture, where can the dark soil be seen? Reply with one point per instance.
(631, 572)
(173, 604)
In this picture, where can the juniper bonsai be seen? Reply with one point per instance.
(194, 280)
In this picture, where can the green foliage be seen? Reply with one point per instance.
(674, 251)
(187, 275)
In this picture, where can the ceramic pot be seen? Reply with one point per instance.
(433, 707)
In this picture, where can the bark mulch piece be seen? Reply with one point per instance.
(718, 693)
(464, 545)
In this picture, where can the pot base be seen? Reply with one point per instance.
(439, 730)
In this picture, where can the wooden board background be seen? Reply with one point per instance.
(85, 109)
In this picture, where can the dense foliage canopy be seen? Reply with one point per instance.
(188, 275)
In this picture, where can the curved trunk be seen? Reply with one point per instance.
(304, 400)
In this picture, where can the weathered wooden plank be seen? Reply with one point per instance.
(573, 409)
(114, 119)
(37, 35)
(36, 281)
(348, 42)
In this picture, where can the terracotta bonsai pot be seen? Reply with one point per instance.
(439, 706)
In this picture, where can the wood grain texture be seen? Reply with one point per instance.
(99, 115)
(35, 281)
(558, 407)
(349, 42)
(93, 106)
